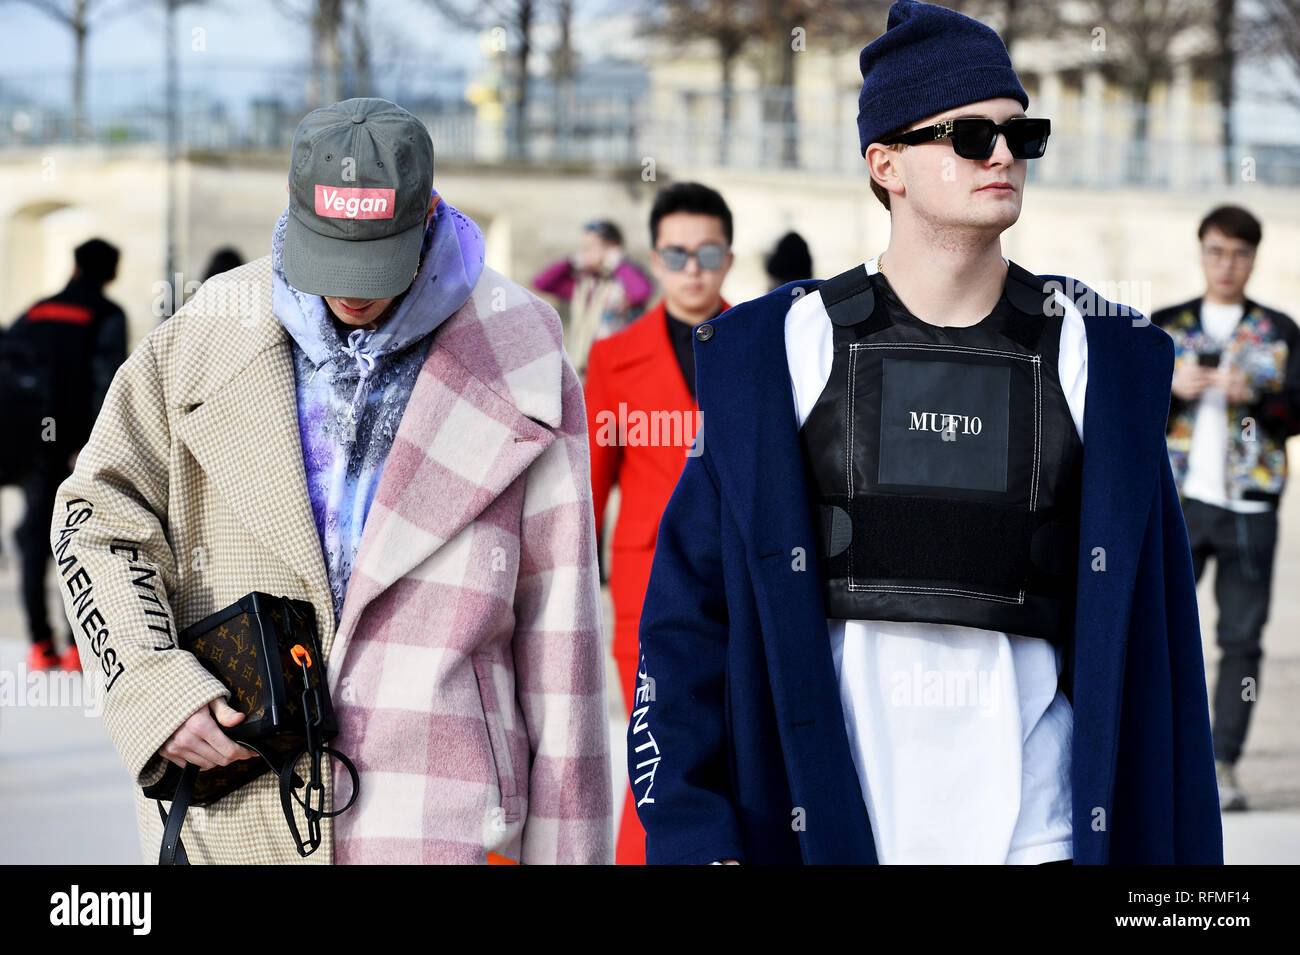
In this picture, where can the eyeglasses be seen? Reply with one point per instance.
(709, 256)
(1215, 254)
(974, 138)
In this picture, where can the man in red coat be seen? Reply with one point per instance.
(642, 415)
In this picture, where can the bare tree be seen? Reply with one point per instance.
(1277, 33)
(564, 70)
(1014, 19)
(360, 49)
(80, 16)
(788, 28)
(1135, 47)
(728, 25)
(1224, 68)
(517, 17)
(326, 60)
(1244, 32)
(326, 20)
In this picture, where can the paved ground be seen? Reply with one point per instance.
(65, 798)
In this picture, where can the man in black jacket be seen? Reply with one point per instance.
(67, 348)
(1235, 400)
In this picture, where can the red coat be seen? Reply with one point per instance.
(641, 421)
(640, 446)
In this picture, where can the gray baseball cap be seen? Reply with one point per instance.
(360, 182)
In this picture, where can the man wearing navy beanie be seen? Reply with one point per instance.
(897, 614)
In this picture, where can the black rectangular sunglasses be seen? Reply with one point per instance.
(973, 138)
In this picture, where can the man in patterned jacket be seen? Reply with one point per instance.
(1235, 401)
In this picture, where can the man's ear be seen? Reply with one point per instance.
(881, 162)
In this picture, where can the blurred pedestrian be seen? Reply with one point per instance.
(70, 344)
(642, 415)
(1235, 401)
(223, 260)
(789, 261)
(603, 287)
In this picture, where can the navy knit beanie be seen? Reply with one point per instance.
(928, 60)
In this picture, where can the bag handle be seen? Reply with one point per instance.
(314, 813)
(172, 851)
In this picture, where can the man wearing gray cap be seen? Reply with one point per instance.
(372, 420)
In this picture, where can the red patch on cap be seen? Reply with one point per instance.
(338, 202)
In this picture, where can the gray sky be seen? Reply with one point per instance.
(245, 40)
(35, 48)
(235, 30)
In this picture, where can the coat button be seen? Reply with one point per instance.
(704, 333)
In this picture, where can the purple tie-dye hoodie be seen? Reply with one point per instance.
(352, 392)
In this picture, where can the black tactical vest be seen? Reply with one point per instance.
(942, 464)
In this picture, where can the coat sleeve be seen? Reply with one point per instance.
(109, 351)
(559, 654)
(604, 441)
(1278, 403)
(1197, 824)
(557, 279)
(115, 565)
(677, 738)
(636, 286)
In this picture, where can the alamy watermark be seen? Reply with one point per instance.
(49, 688)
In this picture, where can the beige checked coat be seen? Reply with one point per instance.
(467, 667)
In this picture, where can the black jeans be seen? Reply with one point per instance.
(1243, 545)
(33, 536)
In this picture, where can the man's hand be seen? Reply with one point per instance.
(201, 741)
(1233, 381)
(1190, 379)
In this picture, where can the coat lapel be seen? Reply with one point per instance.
(459, 445)
(258, 472)
(751, 413)
(650, 365)
(1125, 410)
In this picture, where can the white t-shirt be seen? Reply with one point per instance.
(1207, 466)
(960, 737)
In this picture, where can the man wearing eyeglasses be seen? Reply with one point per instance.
(896, 613)
(642, 416)
(1236, 400)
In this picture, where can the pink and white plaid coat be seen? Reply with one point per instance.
(467, 670)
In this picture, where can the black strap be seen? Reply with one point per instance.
(848, 297)
(173, 852)
(315, 813)
(849, 300)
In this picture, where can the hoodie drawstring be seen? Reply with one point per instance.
(355, 348)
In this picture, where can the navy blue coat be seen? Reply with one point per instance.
(737, 746)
